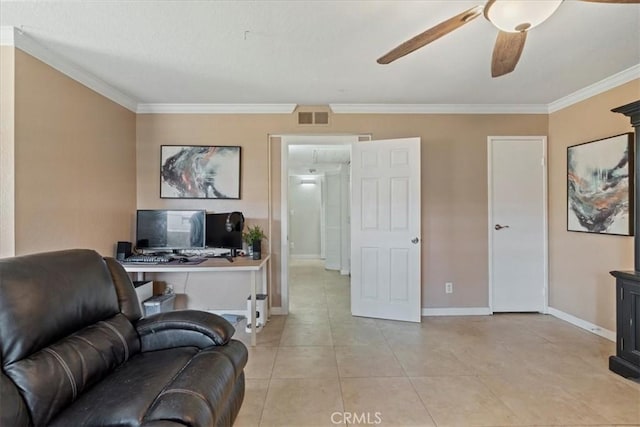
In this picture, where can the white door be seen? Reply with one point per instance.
(517, 223)
(385, 229)
(332, 222)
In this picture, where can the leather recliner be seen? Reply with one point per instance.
(76, 352)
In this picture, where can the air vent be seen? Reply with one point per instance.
(305, 118)
(321, 118)
(313, 118)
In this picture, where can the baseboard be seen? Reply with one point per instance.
(456, 311)
(278, 311)
(587, 326)
(306, 256)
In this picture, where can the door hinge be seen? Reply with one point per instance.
(621, 343)
(631, 322)
(621, 296)
(542, 161)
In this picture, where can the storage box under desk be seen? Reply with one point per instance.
(144, 290)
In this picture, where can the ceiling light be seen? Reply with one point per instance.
(307, 181)
(519, 15)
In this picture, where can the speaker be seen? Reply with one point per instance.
(261, 311)
(123, 250)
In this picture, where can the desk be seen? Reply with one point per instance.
(212, 265)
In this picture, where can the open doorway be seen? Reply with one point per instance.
(315, 186)
(318, 200)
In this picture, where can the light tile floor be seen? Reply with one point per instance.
(320, 366)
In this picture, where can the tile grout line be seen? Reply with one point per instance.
(406, 375)
(335, 354)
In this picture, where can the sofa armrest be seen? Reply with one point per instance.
(183, 328)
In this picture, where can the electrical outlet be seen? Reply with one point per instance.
(448, 287)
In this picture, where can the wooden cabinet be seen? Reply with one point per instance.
(626, 362)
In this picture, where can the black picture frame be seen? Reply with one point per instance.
(600, 186)
(200, 172)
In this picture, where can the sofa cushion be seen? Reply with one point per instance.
(45, 297)
(13, 411)
(54, 377)
(198, 396)
(183, 383)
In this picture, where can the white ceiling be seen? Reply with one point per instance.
(324, 52)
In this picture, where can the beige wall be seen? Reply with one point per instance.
(74, 163)
(7, 151)
(579, 263)
(454, 184)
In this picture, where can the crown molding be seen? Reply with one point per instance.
(603, 85)
(12, 36)
(216, 108)
(438, 108)
(7, 35)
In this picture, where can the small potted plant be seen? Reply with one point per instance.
(253, 236)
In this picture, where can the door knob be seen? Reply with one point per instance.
(415, 240)
(500, 227)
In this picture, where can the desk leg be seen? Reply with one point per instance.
(265, 290)
(253, 308)
(140, 276)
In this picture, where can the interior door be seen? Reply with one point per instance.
(385, 229)
(517, 223)
(332, 222)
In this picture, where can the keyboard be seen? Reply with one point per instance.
(146, 259)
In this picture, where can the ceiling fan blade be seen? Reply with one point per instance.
(613, 1)
(431, 34)
(506, 52)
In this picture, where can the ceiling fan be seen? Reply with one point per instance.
(513, 19)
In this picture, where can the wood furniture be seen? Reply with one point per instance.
(626, 362)
(633, 112)
(214, 265)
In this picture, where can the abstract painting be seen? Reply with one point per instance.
(600, 186)
(199, 172)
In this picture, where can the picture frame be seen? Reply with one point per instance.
(600, 180)
(200, 172)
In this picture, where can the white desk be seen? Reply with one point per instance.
(208, 266)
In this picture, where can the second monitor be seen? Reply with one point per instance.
(224, 231)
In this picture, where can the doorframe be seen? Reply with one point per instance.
(286, 141)
(545, 205)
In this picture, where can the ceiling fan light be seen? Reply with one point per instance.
(519, 15)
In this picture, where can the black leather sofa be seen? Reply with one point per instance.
(76, 352)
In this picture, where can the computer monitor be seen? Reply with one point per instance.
(170, 229)
(224, 230)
